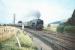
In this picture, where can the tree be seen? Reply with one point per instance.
(71, 21)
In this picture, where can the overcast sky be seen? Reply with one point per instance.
(50, 10)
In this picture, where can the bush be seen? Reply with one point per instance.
(69, 29)
(60, 28)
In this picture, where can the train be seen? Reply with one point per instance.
(34, 24)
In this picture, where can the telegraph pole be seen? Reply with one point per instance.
(14, 18)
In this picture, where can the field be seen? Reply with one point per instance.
(12, 38)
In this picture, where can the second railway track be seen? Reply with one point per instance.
(57, 42)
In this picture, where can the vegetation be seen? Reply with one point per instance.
(68, 26)
(60, 28)
(12, 43)
(69, 29)
(71, 21)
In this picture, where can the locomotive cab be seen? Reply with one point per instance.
(39, 24)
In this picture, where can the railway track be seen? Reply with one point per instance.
(58, 42)
(65, 40)
(61, 36)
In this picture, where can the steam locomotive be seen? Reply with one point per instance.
(34, 24)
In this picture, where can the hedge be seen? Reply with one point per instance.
(69, 29)
(60, 28)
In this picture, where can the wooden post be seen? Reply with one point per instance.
(22, 26)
